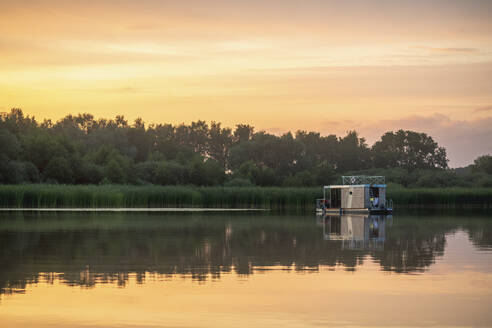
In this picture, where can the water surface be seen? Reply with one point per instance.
(244, 270)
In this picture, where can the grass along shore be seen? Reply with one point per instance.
(275, 198)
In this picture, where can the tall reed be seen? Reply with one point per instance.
(91, 196)
(276, 198)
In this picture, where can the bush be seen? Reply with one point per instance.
(89, 173)
(170, 173)
(146, 171)
(264, 176)
(238, 182)
(31, 173)
(59, 170)
(214, 173)
(483, 164)
(115, 172)
(9, 145)
(324, 174)
(434, 178)
(301, 179)
(12, 172)
(485, 181)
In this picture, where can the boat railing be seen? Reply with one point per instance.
(363, 179)
(389, 203)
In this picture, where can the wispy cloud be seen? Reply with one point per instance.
(455, 50)
(126, 89)
(483, 109)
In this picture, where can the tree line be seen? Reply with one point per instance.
(84, 150)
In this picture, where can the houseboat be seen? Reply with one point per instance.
(357, 194)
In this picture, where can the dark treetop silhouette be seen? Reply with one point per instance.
(84, 150)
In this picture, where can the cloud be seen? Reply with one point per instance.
(483, 109)
(275, 130)
(125, 89)
(463, 140)
(454, 50)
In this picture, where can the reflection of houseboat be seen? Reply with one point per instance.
(356, 231)
(356, 194)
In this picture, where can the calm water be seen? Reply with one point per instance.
(244, 270)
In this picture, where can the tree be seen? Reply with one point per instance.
(409, 150)
(198, 136)
(352, 153)
(214, 173)
(164, 141)
(324, 174)
(220, 139)
(206, 173)
(170, 173)
(260, 176)
(87, 172)
(301, 179)
(483, 164)
(11, 172)
(9, 144)
(115, 172)
(139, 139)
(11, 169)
(84, 150)
(40, 147)
(17, 123)
(434, 179)
(58, 169)
(243, 133)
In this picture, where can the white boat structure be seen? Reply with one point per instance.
(357, 194)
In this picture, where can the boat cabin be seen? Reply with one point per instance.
(356, 194)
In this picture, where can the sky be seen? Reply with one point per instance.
(316, 65)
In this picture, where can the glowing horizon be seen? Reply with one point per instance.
(327, 66)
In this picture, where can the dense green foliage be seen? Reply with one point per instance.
(483, 164)
(84, 150)
(276, 198)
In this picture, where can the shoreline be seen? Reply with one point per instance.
(132, 209)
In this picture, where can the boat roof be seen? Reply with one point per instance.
(361, 185)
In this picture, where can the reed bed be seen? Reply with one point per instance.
(117, 196)
(455, 197)
(275, 198)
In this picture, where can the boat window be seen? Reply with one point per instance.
(336, 198)
(373, 192)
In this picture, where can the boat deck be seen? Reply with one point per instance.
(354, 211)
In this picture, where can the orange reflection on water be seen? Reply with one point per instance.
(366, 297)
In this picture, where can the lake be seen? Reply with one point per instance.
(244, 270)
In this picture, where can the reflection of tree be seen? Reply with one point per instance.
(85, 250)
(411, 246)
(408, 249)
(480, 232)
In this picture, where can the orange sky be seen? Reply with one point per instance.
(329, 66)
